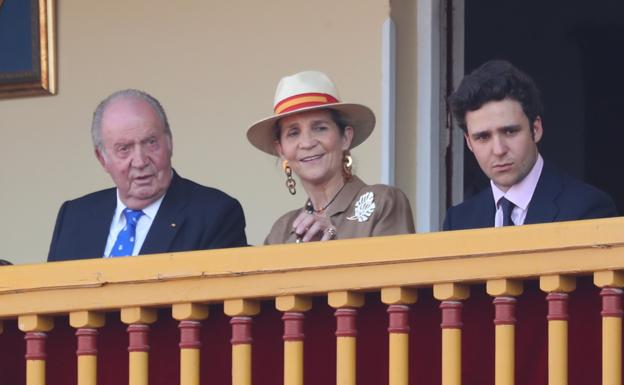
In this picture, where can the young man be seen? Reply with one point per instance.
(498, 107)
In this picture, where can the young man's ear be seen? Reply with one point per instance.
(538, 130)
(467, 138)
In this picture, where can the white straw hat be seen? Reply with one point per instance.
(306, 91)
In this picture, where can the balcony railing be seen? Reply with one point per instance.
(526, 305)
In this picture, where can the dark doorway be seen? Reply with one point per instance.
(573, 50)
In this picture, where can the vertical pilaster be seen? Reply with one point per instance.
(35, 327)
(241, 311)
(293, 308)
(346, 303)
(451, 295)
(398, 299)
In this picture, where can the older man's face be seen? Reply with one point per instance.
(136, 151)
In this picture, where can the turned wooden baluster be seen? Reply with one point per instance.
(504, 291)
(557, 287)
(451, 295)
(190, 316)
(398, 299)
(87, 323)
(35, 327)
(138, 320)
(345, 303)
(611, 293)
(241, 311)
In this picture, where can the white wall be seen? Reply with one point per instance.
(213, 65)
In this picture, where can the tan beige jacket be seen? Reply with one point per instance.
(359, 211)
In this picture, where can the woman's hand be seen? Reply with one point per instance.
(312, 227)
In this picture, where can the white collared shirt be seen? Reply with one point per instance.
(143, 225)
(519, 194)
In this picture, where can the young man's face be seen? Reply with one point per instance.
(499, 135)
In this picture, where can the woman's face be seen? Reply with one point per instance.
(312, 144)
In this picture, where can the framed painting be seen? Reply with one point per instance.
(27, 48)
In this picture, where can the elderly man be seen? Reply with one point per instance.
(152, 209)
(499, 109)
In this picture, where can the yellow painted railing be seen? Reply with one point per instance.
(397, 267)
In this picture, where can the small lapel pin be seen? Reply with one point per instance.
(173, 225)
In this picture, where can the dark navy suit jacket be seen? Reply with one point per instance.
(190, 217)
(556, 198)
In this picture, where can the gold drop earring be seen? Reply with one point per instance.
(347, 163)
(290, 182)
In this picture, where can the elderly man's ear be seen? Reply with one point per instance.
(100, 156)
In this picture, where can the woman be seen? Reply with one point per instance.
(312, 131)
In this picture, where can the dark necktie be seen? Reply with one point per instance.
(507, 208)
(125, 239)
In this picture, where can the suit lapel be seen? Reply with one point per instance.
(95, 235)
(485, 199)
(543, 207)
(168, 221)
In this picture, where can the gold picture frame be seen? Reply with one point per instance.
(28, 51)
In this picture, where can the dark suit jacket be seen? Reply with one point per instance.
(556, 198)
(190, 217)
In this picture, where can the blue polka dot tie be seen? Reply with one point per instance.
(125, 239)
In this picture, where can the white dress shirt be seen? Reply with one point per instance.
(519, 194)
(142, 228)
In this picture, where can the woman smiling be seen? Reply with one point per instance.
(313, 132)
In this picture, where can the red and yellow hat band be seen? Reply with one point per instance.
(300, 101)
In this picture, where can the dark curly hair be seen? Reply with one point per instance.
(495, 80)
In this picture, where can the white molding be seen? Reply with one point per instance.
(388, 102)
(457, 179)
(428, 191)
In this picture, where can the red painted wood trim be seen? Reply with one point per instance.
(35, 345)
(505, 311)
(293, 326)
(241, 330)
(138, 338)
(557, 306)
(87, 342)
(345, 322)
(451, 315)
(398, 321)
(611, 302)
(189, 334)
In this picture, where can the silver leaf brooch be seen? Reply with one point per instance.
(364, 207)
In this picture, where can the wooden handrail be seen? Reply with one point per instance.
(566, 248)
